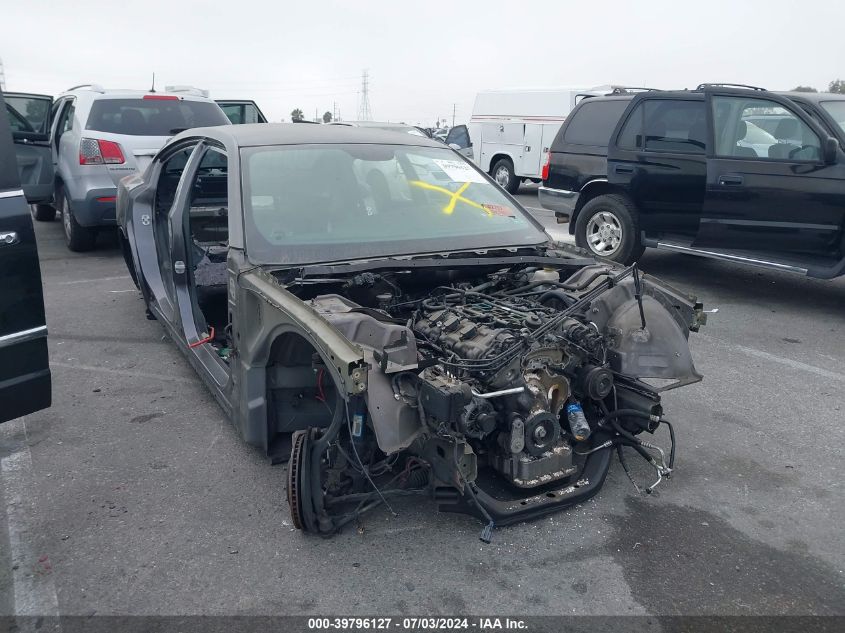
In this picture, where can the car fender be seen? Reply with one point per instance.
(265, 311)
(498, 155)
(278, 312)
(596, 186)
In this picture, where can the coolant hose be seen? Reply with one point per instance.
(672, 439)
(558, 294)
(636, 413)
(623, 441)
(613, 418)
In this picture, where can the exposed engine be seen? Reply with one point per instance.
(507, 372)
(502, 372)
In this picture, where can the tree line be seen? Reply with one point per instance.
(297, 115)
(837, 85)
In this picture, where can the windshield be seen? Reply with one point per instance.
(317, 203)
(836, 109)
(152, 116)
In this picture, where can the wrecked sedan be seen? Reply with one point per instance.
(372, 309)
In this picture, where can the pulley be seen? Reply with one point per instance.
(542, 432)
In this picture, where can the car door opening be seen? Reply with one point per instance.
(208, 246)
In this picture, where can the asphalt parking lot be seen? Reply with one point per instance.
(133, 495)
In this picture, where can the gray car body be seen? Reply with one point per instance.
(268, 321)
(261, 306)
(85, 184)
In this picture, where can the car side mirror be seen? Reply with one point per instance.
(454, 146)
(829, 150)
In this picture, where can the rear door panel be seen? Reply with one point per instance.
(29, 119)
(659, 158)
(25, 383)
(532, 150)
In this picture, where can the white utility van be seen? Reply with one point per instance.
(510, 131)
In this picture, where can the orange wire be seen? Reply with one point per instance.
(207, 339)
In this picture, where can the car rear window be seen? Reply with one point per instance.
(152, 117)
(594, 122)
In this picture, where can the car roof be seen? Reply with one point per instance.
(126, 93)
(591, 98)
(378, 124)
(258, 134)
(699, 92)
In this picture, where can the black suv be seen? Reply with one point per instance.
(25, 382)
(731, 172)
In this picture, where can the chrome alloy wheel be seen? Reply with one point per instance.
(604, 233)
(65, 212)
(502, 175)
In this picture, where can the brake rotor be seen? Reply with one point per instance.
(295, 497)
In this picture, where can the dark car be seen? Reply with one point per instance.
(825, 107)
(25, 384)
(735, 173)
(374, 309)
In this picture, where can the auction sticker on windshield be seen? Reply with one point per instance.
(499, 209)
(459, 171)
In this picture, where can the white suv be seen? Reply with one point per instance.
(100, 136)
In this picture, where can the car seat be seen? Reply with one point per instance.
(740, 150)
(787, 134)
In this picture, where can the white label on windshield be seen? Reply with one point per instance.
(459, 171)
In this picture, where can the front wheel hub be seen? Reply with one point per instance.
(503, 175)
(604, 233)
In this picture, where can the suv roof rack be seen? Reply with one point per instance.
(622, 90)
(705, 86)
(612, 91)
(187, 90)
(94, 87)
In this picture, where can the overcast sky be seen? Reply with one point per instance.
(422, 57)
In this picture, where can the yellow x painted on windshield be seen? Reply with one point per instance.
(453, 195)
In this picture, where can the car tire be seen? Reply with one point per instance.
(44, 212)
(608, 227)
(504, 175)
(77, 237)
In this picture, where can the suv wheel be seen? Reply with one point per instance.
(504, 175)
(608, 227)
(44, 212)
(77, 237)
